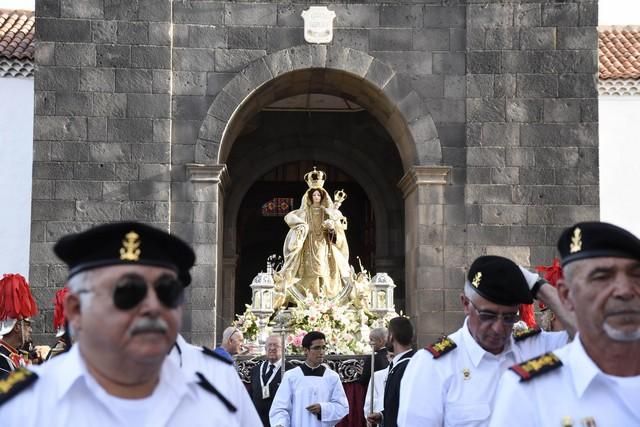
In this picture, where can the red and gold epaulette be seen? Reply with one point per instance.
(537, 366)
(18, 380)
(441, 347)
(523, 334)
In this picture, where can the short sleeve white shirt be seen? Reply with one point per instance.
(66, 394)
(578, 391)
(458, 388)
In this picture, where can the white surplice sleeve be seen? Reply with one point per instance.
(282, 406)
(337, 407)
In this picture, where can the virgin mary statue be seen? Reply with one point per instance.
(316, 254)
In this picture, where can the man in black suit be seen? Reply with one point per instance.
(378, 340)
(400, 339)
(266, 377)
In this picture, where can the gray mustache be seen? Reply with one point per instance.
(149, 324)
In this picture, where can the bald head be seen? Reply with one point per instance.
(232, 340)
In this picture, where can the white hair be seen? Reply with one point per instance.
(568, 271)
(469, 292)
(78, 283)
(228, 332)
(378, 333)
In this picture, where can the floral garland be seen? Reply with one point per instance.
(345, 326)
(247, 322)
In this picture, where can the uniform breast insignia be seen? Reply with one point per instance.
(537, 366)
(215, 355)
(523, 334)
(205, 384)
(441, 347)
(18, 380)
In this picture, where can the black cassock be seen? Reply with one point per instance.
(392, 390)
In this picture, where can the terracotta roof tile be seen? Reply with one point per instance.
(17, 30)
(619, 52)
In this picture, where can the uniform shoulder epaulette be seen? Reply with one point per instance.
(215, 355)
(205, 384)
(537, 366)
(523, 334)
(17, 381)
(441, 347)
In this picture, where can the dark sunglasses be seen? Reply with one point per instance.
(132, 289)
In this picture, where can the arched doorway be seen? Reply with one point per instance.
(261, 228)
(405, 184)
(269, 159)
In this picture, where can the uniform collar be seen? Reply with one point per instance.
(475, 352)
(8, 347)
(73, 368)
(399, 356)
(583, 370)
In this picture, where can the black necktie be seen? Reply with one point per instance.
(267, 374)
(390, 366)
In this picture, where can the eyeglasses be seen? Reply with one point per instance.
(490, 317)
(132, 289)
(318, 348)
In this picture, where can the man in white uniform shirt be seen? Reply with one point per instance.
(310, 395)
(453, 381)
(595, 380)
(124, 308)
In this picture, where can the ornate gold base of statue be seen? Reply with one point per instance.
(315, 287)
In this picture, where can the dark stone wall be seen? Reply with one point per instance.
(123, 89)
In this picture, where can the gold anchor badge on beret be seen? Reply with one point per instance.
(576, 241)
(476, 279)
(130, 250)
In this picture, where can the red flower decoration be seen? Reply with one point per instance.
(16, 301)
(58, 311)
(551, 274)
(527, 315)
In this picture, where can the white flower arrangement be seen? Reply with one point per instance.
(346, 327)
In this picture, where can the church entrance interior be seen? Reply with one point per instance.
(266, 166)
(261, 228)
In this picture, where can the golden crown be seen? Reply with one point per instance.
(339, 196)
(315, 178)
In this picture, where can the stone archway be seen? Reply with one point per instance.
(335, 70)
(376, 87)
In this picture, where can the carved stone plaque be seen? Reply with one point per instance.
(318, 24)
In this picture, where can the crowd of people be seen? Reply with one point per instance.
(121, 361)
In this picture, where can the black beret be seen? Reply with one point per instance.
(499, 280)
(123, 243)
(597, 239)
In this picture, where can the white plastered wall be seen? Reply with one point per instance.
(16, 157)
(619, 131)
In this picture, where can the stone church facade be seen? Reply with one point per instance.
(475, 131)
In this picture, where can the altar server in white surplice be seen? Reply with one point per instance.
(380, 378)
(310, 395)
